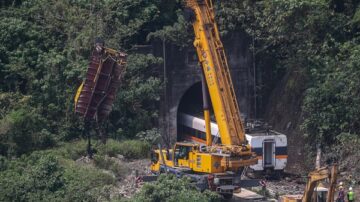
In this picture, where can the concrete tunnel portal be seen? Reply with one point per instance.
(183, 88)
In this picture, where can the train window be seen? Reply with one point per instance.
(182, 152)
(168, 155)
(203, 136)
(188, 131)
(154, 157)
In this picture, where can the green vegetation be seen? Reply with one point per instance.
(44, 48)
(130, 149)
(317, 38)
(53, 175)
(170, 189)
(48, 176)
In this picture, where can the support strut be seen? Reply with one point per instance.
(206, 107)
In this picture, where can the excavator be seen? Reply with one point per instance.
(215, 166)
(314, 177)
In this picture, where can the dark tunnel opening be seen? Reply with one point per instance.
(191, 104)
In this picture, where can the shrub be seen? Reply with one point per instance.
(23, 131)
(74, 150)
(171, 189)
(119, 170)
(84, 183)
(41, 181)
(3, 163)
(131, 149)
(107, 163)
(102, 162)
(46, 176)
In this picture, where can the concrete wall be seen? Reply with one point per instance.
(182, 71)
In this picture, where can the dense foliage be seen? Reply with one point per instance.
(48, 176)
(318, 38)
(44, 50)
(58, 174)
(169, 188)
(45, 45)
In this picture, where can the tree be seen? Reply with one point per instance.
(44, 51)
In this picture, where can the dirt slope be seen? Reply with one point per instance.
(283, 113)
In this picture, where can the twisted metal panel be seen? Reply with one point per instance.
(103, 78)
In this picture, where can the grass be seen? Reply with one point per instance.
(107, 163)
(130, 149)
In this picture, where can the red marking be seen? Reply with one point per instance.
(195, 139)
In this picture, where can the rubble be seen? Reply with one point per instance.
(277, 188)
(132, 183)
(129, 183)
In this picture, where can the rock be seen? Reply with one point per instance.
(120, 157)
(109, 173)
(344, 173)
(84, 160)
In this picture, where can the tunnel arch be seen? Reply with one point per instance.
(191, 103)
(183, 75)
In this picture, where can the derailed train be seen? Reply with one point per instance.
(270, 146)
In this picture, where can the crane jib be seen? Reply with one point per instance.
(213, 60)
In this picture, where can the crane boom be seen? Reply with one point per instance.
(213, 60)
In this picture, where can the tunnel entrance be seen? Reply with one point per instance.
(190, 115)
(191, 102)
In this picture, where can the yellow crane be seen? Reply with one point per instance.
(223, 162)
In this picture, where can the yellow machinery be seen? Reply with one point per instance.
(234, 153)
(313, 179)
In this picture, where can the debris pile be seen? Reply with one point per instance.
(281, 187)
(132, 183)
(129, 182)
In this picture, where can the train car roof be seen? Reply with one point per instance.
(265, 133)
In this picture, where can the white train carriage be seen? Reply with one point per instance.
(270, 146)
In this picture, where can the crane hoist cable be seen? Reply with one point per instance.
(97, 93)
(87, 124)
(87, 121)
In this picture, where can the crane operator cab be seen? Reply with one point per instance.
(181, 155)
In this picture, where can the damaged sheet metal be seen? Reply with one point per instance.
(96, 94)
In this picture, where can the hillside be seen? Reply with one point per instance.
(65, 174)
(307, 60)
